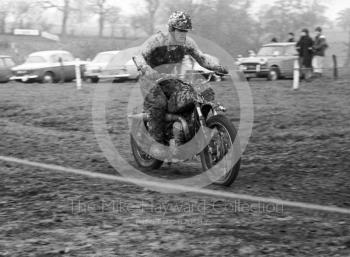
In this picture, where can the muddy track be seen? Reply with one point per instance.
(298, 151)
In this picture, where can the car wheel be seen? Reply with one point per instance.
(94, 80)
(118, 80)
(274, 74)
(48, 77)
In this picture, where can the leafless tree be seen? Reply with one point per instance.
(152, 7)
(4, 13)
(45, 25)
(147, 19)
(26, 13)
(65, 7)
(189, 6)
(82, 12)
(100, 7)
(112, 17)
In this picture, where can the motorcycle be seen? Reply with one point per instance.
(217, 147)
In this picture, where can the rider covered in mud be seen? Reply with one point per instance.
(162, 53)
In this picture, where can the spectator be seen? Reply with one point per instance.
(304, 47)
(319, 48)
(291, 37)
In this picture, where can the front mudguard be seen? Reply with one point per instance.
(206, 108)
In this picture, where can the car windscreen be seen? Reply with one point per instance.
(67, 57)
(121, 58)
(103, 57)
(35, 59)
(271, 51)
(9, 62)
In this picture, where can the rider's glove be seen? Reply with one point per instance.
(221, 69)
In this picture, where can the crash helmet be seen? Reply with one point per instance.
(179, 20)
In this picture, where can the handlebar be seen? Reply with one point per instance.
(173, 76)
(221, 74)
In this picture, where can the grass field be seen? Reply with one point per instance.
(299, 150)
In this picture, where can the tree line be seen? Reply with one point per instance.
(28, 14)
(230, 23)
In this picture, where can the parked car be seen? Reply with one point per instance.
(47, 67)
(98, 64)
(273, 61)
(6, 63)
(121, 66)
(192, 70)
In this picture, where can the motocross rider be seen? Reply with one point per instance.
(160, 54)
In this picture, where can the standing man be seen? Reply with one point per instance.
(319, 48)
(291, 37)
(304, 47)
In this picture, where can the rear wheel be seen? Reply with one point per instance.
(274, 74)
(48, 77)
(218, 149)
(118, 80)
(143, 159)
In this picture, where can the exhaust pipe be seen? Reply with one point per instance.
(168, 117)
(139, 116)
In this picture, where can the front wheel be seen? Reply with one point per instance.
(94, 79)
(142, 159)
(218, 153)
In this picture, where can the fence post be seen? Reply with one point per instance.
(335, 67)
(296, 74)
(77, 73)
(62, 78)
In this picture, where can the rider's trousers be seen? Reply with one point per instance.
(172, 96)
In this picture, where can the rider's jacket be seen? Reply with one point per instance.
(161, 55)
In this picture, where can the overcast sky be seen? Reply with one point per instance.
(334, 6)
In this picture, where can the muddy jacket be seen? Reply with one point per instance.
(304, 47)
(161, 56)
(173, 96)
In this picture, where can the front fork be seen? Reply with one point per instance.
(207, 132)
(202, 120)
(200, 115)
(206, 136)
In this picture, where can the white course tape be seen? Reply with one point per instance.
(179, 187)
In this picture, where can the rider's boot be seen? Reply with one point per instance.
(176, 141)
(159, 151)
